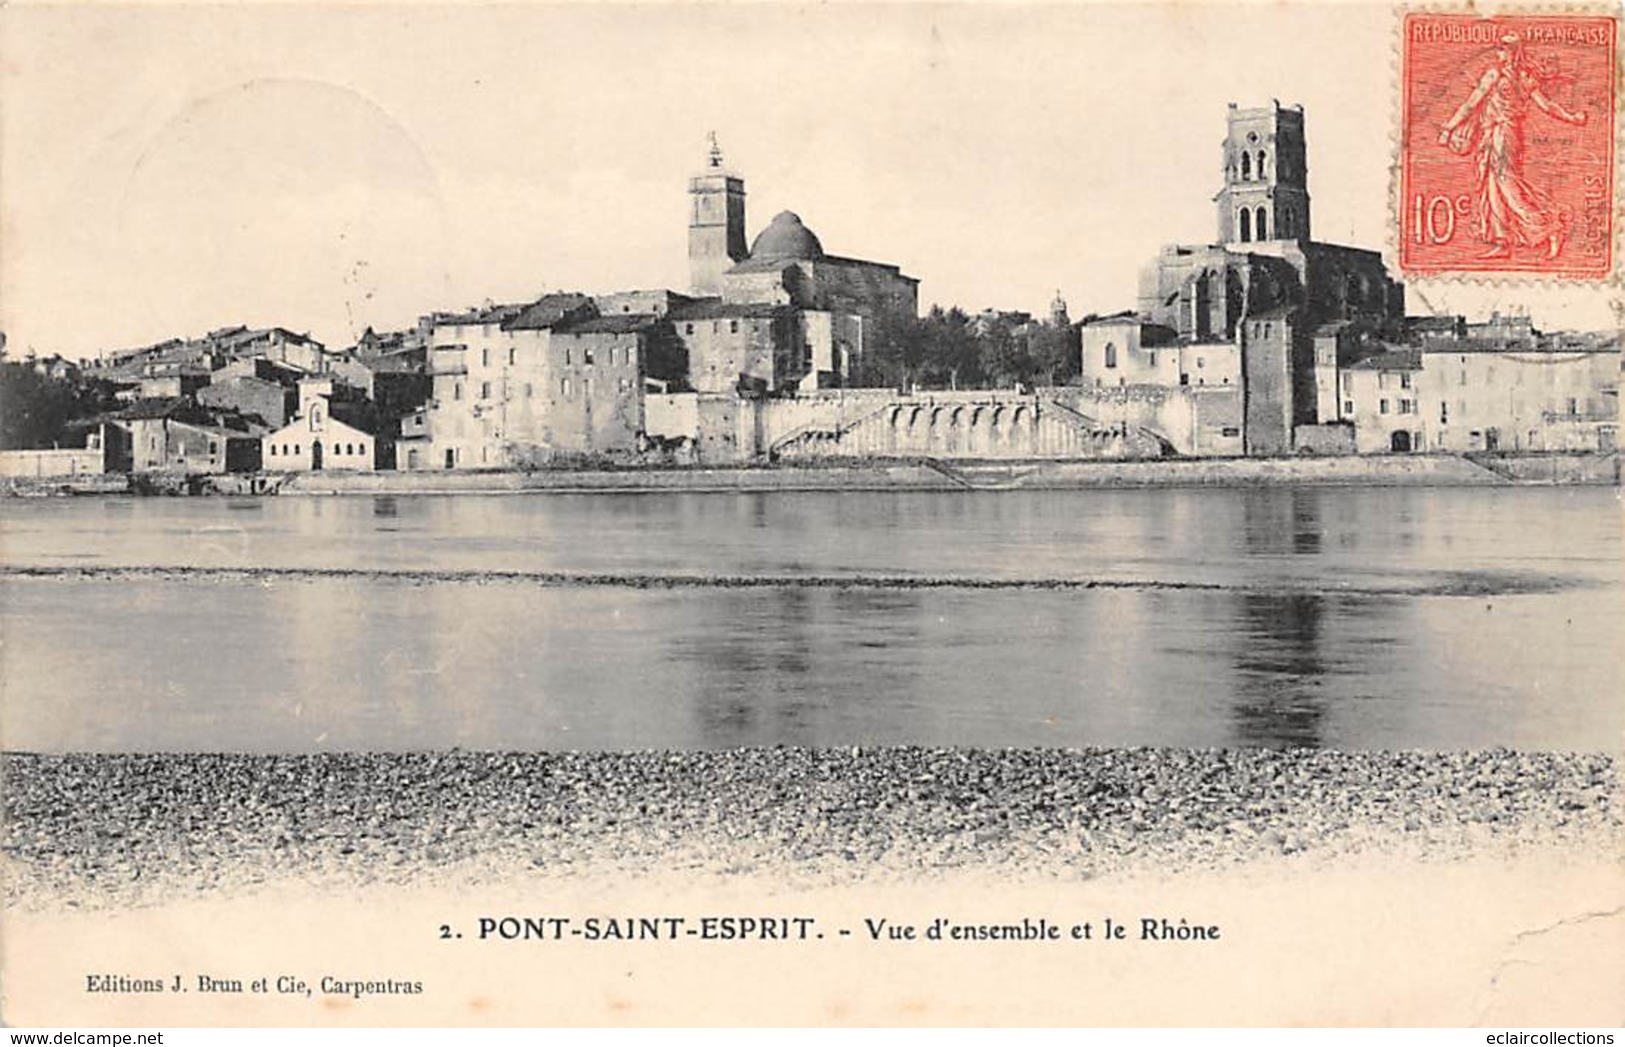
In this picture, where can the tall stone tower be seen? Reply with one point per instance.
(716, 224)
(1266, 176)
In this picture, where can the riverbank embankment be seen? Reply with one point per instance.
(888, 475)
(1417, 470)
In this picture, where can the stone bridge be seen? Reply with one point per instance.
(970, 428)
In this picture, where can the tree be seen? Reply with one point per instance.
(35, 409)
(1054, 352)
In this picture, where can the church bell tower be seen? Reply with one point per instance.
(716, 224)
(1266, 176)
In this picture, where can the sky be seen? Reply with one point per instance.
(170, 169)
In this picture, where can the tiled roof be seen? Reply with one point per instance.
(717, 309)
(1467, 346)
(1127, 316)
(774, 265)
(161, 407)
(549, 310)
(491, 314)
(1391, 360)
(618, 323)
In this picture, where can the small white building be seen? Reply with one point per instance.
(325, 434)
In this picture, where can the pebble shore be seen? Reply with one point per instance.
(91, 831)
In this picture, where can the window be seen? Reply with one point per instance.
(485, 358)
(513, 356)
(296, 449)
(1246, 169)
(1266, 330)
(1348, 406)
(733, 326)
(1574, 406)
(1382, 379)
(567, 358)
(273, 450)
(361, 448)
(349, 449)
(1444, 412)
(214, 445)
(1407, 407)
(586, 388)
(315, 417)
(1230, 430)
(485, 390)
(1184, 378)
(1152, 355)
(1246, 225)
(529, 391)
(1262, 231)
(586, 357)
(566, 389)
(1261, 169)
(688, 328)
(1382, 407)
(1405, 380)
(1201, 362)
(457, 391)
(1111, 355)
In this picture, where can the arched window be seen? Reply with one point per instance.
(1246, 167)
(1286, 222)
(315, 417)
(1111, 355)
(1261, 168)
(1263, 229)
(1246, 225)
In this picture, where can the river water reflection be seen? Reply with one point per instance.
(1347, 618)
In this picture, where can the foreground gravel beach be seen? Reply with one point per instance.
(99, 830)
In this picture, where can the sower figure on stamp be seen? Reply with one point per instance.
(1507, 209)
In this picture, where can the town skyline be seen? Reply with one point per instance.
(409, 161)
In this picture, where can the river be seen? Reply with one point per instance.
(1348, 618)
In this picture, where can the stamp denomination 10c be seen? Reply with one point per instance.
(1507, 145)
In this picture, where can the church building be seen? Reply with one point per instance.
(784, 314)
(1266, 286)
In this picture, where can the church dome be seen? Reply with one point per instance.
(786, 240)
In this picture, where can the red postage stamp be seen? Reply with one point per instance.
(1507, 145)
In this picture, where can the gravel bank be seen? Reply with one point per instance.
(97, 830)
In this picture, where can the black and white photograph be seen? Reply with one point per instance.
(908, 514)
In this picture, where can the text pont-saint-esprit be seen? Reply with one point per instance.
(512, 928)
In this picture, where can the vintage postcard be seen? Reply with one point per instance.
(842, 514)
